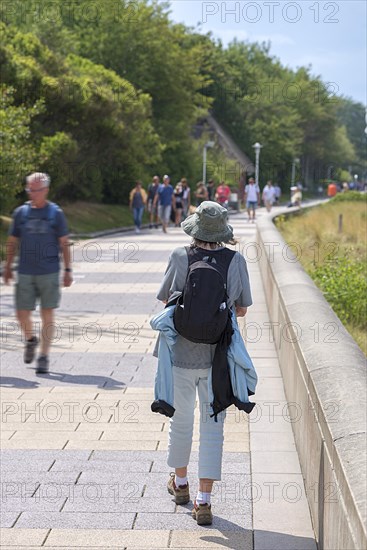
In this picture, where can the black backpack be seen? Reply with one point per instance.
(201, 312)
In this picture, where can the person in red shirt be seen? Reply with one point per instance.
(223, 194)
(331, 190)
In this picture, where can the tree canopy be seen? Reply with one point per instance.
(101, 94)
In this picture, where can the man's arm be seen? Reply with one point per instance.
(65, 247)
(10, 249)
(155, 200)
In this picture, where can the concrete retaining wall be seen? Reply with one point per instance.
(324, 373)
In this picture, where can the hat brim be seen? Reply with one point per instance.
(192, 228)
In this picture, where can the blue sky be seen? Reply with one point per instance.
(330, 36)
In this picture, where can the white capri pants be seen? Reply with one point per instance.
(182, 424)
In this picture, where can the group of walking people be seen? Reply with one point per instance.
(162, 202)
(166, 203)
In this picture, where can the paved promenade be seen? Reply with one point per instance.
(83, 460)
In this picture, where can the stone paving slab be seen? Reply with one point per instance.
(75, 520)
(8, 518)
(99, 466)
(32, 504)
(133, 505)
(107, 538)
(185, 521)
(269, 540)
(27, 537)
(212, 539)
(276, 462)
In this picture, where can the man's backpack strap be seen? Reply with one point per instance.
(25, 212)
(52, 210)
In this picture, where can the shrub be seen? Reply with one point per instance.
(350, 196)
(344, 284)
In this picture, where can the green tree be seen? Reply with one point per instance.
(95, 132)
(17, 152)
(352, 115)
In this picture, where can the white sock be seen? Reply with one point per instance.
(180, 480)
(203, 498)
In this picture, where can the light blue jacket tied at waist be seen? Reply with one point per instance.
(242, 372)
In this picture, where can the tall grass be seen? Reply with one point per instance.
(336, 260)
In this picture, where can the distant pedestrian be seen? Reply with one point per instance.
(165, 200)
(211, 190)
(223, 194)
(178, 204)
(278, 193)
(138, 200)
(331, 190)
(40, 231)
(268, 195)
(296, 197)
(201, 193)
(186, 197)
(345, 187)
(252, 198)
(153, 210)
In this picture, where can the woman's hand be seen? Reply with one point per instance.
(241, 311)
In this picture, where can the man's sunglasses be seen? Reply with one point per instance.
(35, 190)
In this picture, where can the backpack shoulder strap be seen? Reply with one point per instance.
(25, 210)
(190, 255)
(53, 208)
(227, 256)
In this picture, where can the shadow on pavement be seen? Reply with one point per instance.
(259, 540)
(103, 382)
(11, 382)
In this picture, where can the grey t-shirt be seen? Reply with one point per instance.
(188, 354)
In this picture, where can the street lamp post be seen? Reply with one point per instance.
(208, 144)
(257, 146)
(293, 179)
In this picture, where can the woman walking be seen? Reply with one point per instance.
(179, 192)
(186, 197)
(192, 362)
(201, 193)
(138, 200)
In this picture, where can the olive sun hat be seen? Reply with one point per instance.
(209, 223)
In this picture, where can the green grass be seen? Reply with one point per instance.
(336, 261)
(85, 217)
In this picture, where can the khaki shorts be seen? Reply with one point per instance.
(31, 287)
